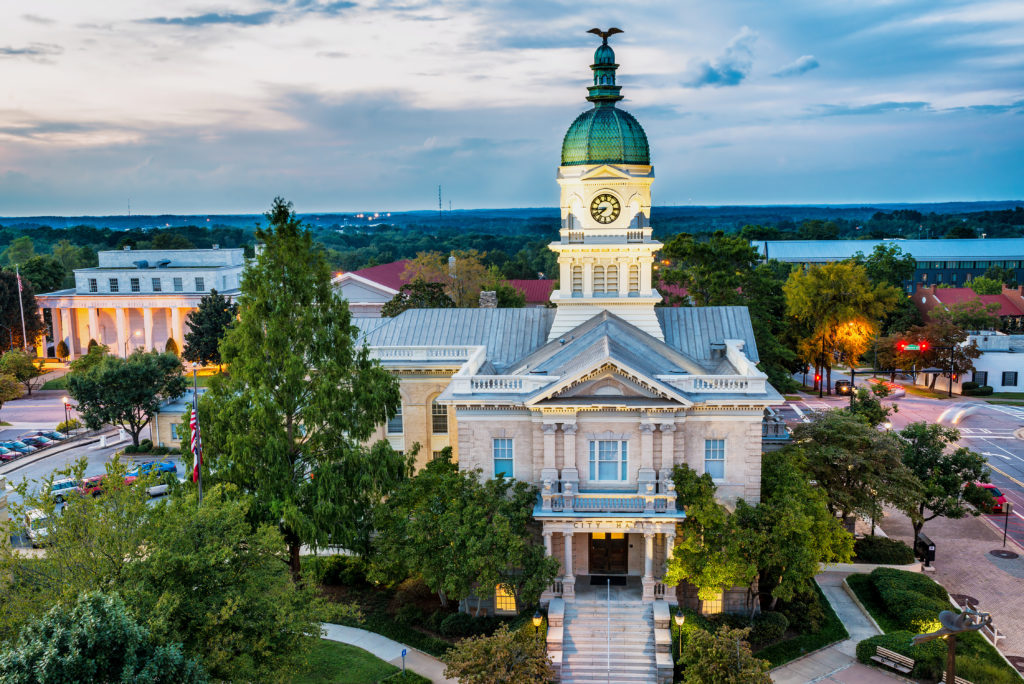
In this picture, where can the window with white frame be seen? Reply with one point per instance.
(438, 418)
(609, 459)
(714, 458)
(504, 600)
(395, 424)
(200, 284)
(1009, 378)
(135, 285)
(178, 285)
(113, 285)
(92, 285)
(157, 285)
(503, 461)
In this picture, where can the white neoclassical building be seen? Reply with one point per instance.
(593, 401)
(137, 298)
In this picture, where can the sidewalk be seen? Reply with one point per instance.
(389, 651)
(837, 664)
(965, 565)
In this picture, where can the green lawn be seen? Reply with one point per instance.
(56, 384)
(1007, 403)
(832, 630)
(331, 661)
(919, 391)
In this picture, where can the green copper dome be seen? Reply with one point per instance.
(605, 134)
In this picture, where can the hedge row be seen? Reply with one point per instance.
(912, 599)
(882, 550)
(978, 391)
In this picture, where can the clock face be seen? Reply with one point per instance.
(605, 208)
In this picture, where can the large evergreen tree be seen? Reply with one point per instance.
(207, 326)
(10, 315)
(290, 423)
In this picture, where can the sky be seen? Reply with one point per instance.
(217, 106)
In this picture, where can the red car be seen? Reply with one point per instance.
(998, 499)
(93, 486)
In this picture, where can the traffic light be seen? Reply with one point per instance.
(817, 377)
(924, 345)
(905, 346)
(901, 345)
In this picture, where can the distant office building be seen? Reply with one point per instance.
(949, 262)
(138, 298)
(1010, 302)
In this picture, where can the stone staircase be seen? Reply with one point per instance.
(585, 644)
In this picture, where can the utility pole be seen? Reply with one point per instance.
(440, 215)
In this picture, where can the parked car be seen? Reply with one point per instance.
(91, 486)
(53, 434)
(37, 441)
(62, 489)
(7, 455)
(158, 467)
(20, 447)
(998, 498)
(844, 387)
(37, 526)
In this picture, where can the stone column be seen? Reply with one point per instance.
(565, 276)
(68, 328)
(568, 446)
(147, 327)
(122, 330)
(670, 544)
(668, 435)
(550, 472)
(568, 580)
(645, 274)
(547, 542)
(176, 330)
(648, 581)
(588, 277)
(646, 478)
(94, 324)
(623, 277)
(58, 328)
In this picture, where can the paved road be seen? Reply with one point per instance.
(989, 429)
(44, 409)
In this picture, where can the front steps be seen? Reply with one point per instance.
(587, 651)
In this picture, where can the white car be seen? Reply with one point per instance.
(37, 526)
(62, 489)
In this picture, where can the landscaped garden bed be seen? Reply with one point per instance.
(331, 662)
(907, 603)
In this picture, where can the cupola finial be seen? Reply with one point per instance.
(604, 92)
(605, 35)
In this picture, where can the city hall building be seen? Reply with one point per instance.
(594, 400)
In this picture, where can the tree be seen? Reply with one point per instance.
(721, 658)
(983, 285)
(19, 251)
(23, 367)
(94, 355)
(10, 313)
(206, 328)
(291, 422)
(797, 531)
(946, 345)
(95, 640)
(1002, 275)
(840, 307)
(419, 294)
(216, 585)
(171, 347)
(859, 467)
(508, 296)
(44, 272)
(945, 475)
(171, 241)
(463, 284)
(10, 388)
(710, 545)
(972, 314)
(71, 257)
(459, 531)
(887, 264)
(505, 657)
(126, 392)
(867, 404)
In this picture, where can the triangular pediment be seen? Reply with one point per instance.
(609, 172)
(608, 382)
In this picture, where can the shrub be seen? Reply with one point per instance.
(970, 385)
(464, 625)
(407, 677)
(804, 612)
(411, 590)
(434, 620)
(978, 391)
(913, 600)
(928, 657)
(768, 627)
(882, 550)
(884, 578)
(409, 614)
(974, 670)
(69, 425)
(349, 571)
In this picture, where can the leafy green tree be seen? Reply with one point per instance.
(946, 345)
(10, 314)
(867, 404)
(62, 350)
(1002, 275)
(945, 474)
(419, 294)
(972, 314)
(986, 286)
(10, 389)
(44, 272)
(859, 467)
(459, 531)
(19, 251)
(126, 392)
(216, 585)
(710, 544)
(508, 296)
(904, 316)
(95, 640)
(887, 264)
(171, 241)
(505, 657)
(463, 284)
(207, 326)
(290, 423)
(71, 257)
(721, 658)
(23, 367)
(93, 356)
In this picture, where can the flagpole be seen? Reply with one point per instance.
(198, 454)
(21, 307)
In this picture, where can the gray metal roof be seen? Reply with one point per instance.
(922, 250)
(368, 323)
(508, 334)
(693, 329)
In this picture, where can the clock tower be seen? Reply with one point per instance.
(605, 250)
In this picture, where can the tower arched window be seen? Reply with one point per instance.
(438, 418)
(612, 278)
(577, 279)
(634, 278)
(599, 279)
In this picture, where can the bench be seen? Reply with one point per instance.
(959, 680)
(900, 663)
(993, 634)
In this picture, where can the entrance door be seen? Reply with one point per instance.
(609, 553)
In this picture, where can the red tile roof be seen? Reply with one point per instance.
(956, 295)
(536, 291)
(389, 275)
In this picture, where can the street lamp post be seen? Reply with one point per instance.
(537, 619)
(67, 407)
(680, 619)
(1007, 509)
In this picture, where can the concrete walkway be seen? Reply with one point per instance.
(389, 651)
(838, 663)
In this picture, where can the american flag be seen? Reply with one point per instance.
(197, 443)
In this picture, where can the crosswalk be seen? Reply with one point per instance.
(1013, 411)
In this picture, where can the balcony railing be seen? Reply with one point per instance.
(423, 353)
(712, 384)
(653, 497)
(499, 384)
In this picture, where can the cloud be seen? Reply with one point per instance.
(253, 19)
(729, 68)
(35, 51)
(36, 19)
(873, 108)
(800, 66)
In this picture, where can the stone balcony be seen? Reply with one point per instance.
(651, 497)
